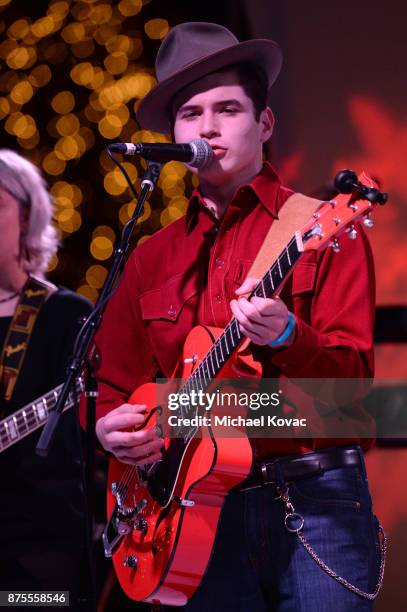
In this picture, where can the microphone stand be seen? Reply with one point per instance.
(84, 346)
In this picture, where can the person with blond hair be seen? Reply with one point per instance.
(41, 518)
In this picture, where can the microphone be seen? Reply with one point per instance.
(196, 153)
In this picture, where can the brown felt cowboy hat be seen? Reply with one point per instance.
(189, 52)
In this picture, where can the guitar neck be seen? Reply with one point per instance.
(33, 416)
(231, 337)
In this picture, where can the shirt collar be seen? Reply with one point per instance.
(264, 186)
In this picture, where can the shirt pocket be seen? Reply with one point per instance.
(169, 313)
(167, 302)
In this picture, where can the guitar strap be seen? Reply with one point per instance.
(294, 213)
(34, 294)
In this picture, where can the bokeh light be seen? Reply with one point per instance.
(101, 248)
(128, 8)
(40, 75)
(68, 220)
(96, 276)
(63, 102)
(22, 92)
(156, 28)
(74, 73)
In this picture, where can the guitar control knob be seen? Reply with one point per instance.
(130, 561)
(368, 222)
(352, 232)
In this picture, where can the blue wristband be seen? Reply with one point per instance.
(286, 333)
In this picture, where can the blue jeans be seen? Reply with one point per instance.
(258, 566)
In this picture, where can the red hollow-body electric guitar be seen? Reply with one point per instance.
(164, 517)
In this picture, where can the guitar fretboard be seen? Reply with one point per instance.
(26, 420)
(231, 337)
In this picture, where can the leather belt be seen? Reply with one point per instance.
(294, 467)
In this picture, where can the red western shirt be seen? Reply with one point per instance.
(187, 273)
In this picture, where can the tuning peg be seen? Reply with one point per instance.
(335, 246)
(368, 222)
(352, 232)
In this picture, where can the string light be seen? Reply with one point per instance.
(156, 28)
(63, 102)
(80, 62)
(129, 8)
(22, 92)
(101, 248)
(96, 276)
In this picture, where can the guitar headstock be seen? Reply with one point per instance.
(339, 215)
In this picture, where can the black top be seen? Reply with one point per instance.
(41, 497)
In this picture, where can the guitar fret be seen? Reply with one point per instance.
(41, 410)
(4, 437)
(216, 357)
(271, 278)
(205, 365)
(182, 408)
(34, 411)
(45, 398)
(15, 420)
(195, 381)
(11, 430)
(21, 423)
(279, 267)
(201, 375)
(186, 388)
(232, 341)
(226, 343)
(198, 372)
(232, 338)
(238, 330)
(208, 368)
(213, 367)
(221, 352)
(288, 256)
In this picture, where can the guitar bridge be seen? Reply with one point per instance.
(123, 520)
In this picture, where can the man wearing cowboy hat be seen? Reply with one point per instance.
(214, 88)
